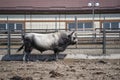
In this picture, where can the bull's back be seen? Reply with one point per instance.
(44, 41)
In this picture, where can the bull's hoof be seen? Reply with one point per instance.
(45, 60)
(25, 60)
(55, 59)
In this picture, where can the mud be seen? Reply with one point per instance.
(61, 70)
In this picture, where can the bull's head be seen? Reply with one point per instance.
(72, 38)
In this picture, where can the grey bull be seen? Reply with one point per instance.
(56, 42)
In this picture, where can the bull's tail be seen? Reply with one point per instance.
(20, 48)
(22, 45)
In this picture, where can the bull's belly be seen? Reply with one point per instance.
(42, 48)
(58, 49)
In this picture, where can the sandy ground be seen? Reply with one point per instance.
(61, 70)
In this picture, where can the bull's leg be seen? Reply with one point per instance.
(24, 56)
(56, 55)
(27, 52)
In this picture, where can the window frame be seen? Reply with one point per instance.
(14, 26)
(5, 26)
(110, 24)
(83, 28)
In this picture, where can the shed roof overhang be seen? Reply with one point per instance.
(58, 6)
(59, 10)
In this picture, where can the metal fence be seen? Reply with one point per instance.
(99, 40)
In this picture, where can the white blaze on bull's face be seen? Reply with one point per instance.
(73, 38)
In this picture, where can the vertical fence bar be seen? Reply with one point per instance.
(9, 52)
(76, 28)
(119, 34)
(104, 41)
(76, 23)
(56, 23)
(95, 35)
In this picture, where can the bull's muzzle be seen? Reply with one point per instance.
(74, 42)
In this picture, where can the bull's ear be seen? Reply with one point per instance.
(71, 34)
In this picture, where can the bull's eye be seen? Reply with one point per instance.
(74, 38)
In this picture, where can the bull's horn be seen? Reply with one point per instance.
(72, 33)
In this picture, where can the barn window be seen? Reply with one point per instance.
(2, 26)
(71, 26)
(11, 26)
(82, 26)
(106, 25)
(19, 26)
(114, 24)
(88, 25)
(111, 25)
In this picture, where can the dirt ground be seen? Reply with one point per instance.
(61, 70)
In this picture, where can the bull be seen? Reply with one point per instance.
(56, 42)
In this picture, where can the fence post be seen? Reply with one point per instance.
(76, 28)
(119, 34)
(95, 35)
(104, 41)
(9, 36)
(8, 44)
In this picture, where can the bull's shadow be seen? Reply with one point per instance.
(32, 57)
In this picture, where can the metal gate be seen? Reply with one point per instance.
(9, 38)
